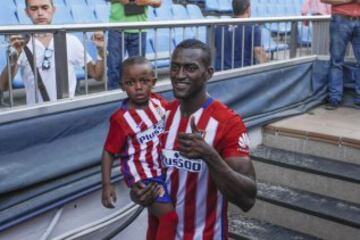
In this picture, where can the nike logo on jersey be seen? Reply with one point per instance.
(151, 133)
(171, 158)
(244, 142)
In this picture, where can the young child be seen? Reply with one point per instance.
(134, 136)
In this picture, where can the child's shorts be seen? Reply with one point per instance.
(164, 196)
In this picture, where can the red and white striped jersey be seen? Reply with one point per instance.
(201, 207)
(134, 134)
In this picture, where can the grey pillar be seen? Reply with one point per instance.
(61, 65)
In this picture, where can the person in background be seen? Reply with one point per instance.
(251, 41)
(315, 8)
(131, 41)
(41, 12)
(344, 29)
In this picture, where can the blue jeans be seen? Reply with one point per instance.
(115, 57)
(343, 31)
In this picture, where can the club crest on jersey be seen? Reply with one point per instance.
(244, 142)
(151, 133)
(171, 158)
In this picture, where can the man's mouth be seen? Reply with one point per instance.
(181, 84)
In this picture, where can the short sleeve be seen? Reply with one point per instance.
(235, 142)
(76, 52)
(115, 139)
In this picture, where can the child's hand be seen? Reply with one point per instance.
(108, 196)
(144, 195)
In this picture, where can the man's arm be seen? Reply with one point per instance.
(260, 55)
(17, 42)
(4, 77)
(234, 176)
(96, 70)
(153, 3)
(338, 2)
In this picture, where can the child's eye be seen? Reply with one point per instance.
(144, 81)
(129, 83)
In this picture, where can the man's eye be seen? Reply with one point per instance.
(174, 67)
(129, 83)
(191, 68)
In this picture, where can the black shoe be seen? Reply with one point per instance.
(332, 105)
(357, 105)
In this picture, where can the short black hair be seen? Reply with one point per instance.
(134, 60)
(240, 6)
(27, 3)
(197, 44)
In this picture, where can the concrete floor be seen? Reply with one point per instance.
(342, 124)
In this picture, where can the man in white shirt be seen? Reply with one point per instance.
(41, 12)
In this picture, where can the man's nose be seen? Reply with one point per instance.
(181, 73)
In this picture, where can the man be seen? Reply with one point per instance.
(344, 28)
(134, 41)
(231, 50)
(41, 12)
(315, 8)
(205, 150)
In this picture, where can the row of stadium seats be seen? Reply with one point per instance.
(260, 8)
(67, 11)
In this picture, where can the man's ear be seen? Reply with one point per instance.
(210, 71)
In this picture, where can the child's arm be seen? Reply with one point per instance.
(108, 197)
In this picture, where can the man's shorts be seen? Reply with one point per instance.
(164, 196)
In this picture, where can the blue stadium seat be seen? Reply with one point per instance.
(82, 14)
(212, 5)
(194, 11)
(102, 12)
(151, 14)
(7, 13)
(23, 18)
(19, 3)
(62, 16)
(164, 12)
(57, 3)
(70, 3)
(94, 2)
(225, 6)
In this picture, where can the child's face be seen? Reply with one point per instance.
(138, 81)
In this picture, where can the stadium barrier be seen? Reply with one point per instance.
(162, 39)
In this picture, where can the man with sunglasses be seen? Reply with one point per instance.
(41, 12)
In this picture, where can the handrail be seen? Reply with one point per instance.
(152, 24)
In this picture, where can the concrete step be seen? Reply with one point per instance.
(324, 176)
(319, 132)
(241, 227)
(310, 213)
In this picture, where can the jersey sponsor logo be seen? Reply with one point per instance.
(244, 142)
(171, 158)
(151, 133)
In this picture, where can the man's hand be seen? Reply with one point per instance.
(192, 145)
(17, 42)
(144, 195)
(98, 39)
(108, 197)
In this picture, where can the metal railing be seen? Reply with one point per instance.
(283, 36)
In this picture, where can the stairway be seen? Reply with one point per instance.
(308, 183)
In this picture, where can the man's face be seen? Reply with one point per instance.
(188, 73)
(40, 11)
